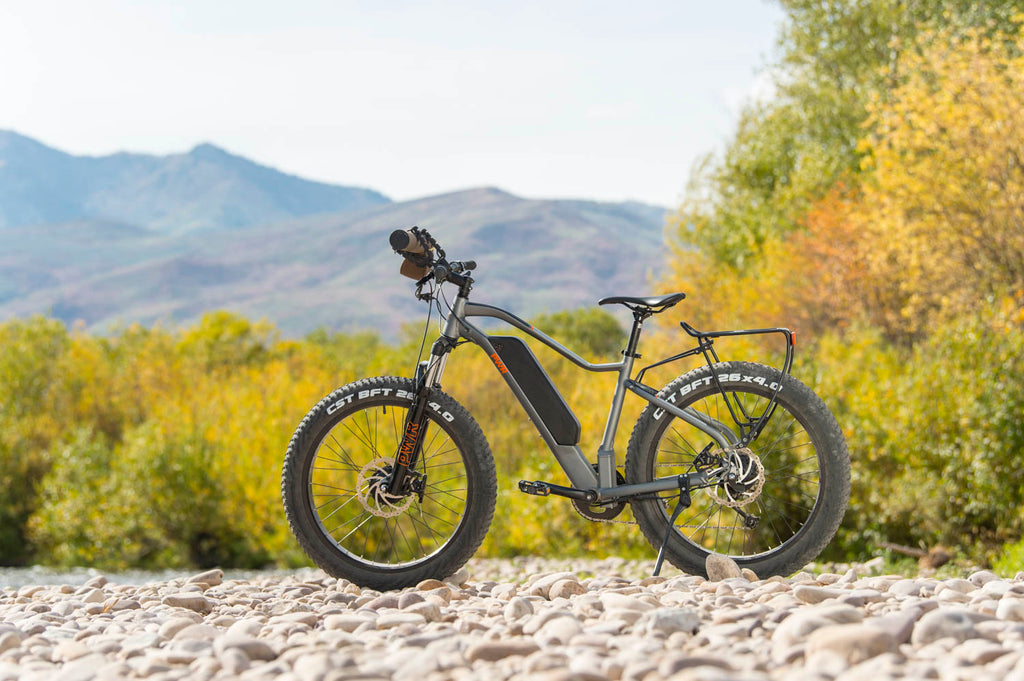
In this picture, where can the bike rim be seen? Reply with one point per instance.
(786, 502)
(374, 529)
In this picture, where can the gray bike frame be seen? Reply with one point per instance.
(570, 457)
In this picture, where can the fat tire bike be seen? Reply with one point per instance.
(388, 481)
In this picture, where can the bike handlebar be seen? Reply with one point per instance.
(424, 257)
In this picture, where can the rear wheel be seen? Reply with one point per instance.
(333, 485)
(790, 486)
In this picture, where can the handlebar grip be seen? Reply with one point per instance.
(404, 241)
(468, 265)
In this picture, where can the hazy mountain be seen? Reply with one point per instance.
(332, 269)
(206, 188)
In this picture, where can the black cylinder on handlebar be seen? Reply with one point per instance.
(416, 254)
(405, 241)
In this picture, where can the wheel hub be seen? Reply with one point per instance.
(371, 490)
(743, 480)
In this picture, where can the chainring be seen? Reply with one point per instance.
(602, 512)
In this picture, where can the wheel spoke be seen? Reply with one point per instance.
(788, 459)
(386, 530)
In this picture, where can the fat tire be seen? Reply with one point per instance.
(296, 483)
(805, 407)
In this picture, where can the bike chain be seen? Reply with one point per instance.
(749, 495)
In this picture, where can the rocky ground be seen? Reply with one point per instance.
(523, 619)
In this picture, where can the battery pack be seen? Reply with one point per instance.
(542, 393)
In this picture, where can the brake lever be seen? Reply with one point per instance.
(420, 295)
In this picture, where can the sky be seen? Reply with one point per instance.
(559, 98)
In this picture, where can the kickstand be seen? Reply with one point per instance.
(682, 504)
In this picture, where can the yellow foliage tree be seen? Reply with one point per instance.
(941, 217)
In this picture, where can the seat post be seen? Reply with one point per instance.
(639, 315)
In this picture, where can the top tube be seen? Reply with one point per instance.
(481, 310)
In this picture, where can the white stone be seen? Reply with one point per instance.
(1010, 609)
(429, 610)
(253, 648)
(719, 567)
(517, 608)
(542, 586)
(9, 640)
(559, 630)
(397, 619)
(943, 623)
(982, 577)
(211, 577)
(853, 642)
(617, 601)
(670, 620)
(191, 601)
(173, 625)
(816, 594)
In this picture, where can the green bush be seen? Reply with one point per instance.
(33, 406)
(935, 434)
(151, 501)
(1010, 560)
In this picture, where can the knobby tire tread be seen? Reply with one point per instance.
(480, 502)
(833, 461)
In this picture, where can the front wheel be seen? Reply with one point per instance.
(334, 476)
(790, 486)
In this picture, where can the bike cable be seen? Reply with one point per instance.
(426, 326)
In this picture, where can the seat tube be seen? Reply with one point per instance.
(606, 452)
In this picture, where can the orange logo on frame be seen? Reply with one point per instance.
(498, 363)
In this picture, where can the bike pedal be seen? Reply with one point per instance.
(537, 489)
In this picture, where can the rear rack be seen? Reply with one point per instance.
(749, 427)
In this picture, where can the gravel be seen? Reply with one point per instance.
(591, 620)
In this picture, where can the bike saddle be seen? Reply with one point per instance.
(650, 304)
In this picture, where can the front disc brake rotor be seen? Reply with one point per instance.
(371, 492)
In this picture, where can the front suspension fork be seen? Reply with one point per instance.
(428, 375)
(411, 444)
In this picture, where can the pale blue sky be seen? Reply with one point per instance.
(570, 98)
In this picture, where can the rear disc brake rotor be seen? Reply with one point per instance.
(748, 482)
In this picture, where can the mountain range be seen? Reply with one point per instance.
(131, 237)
